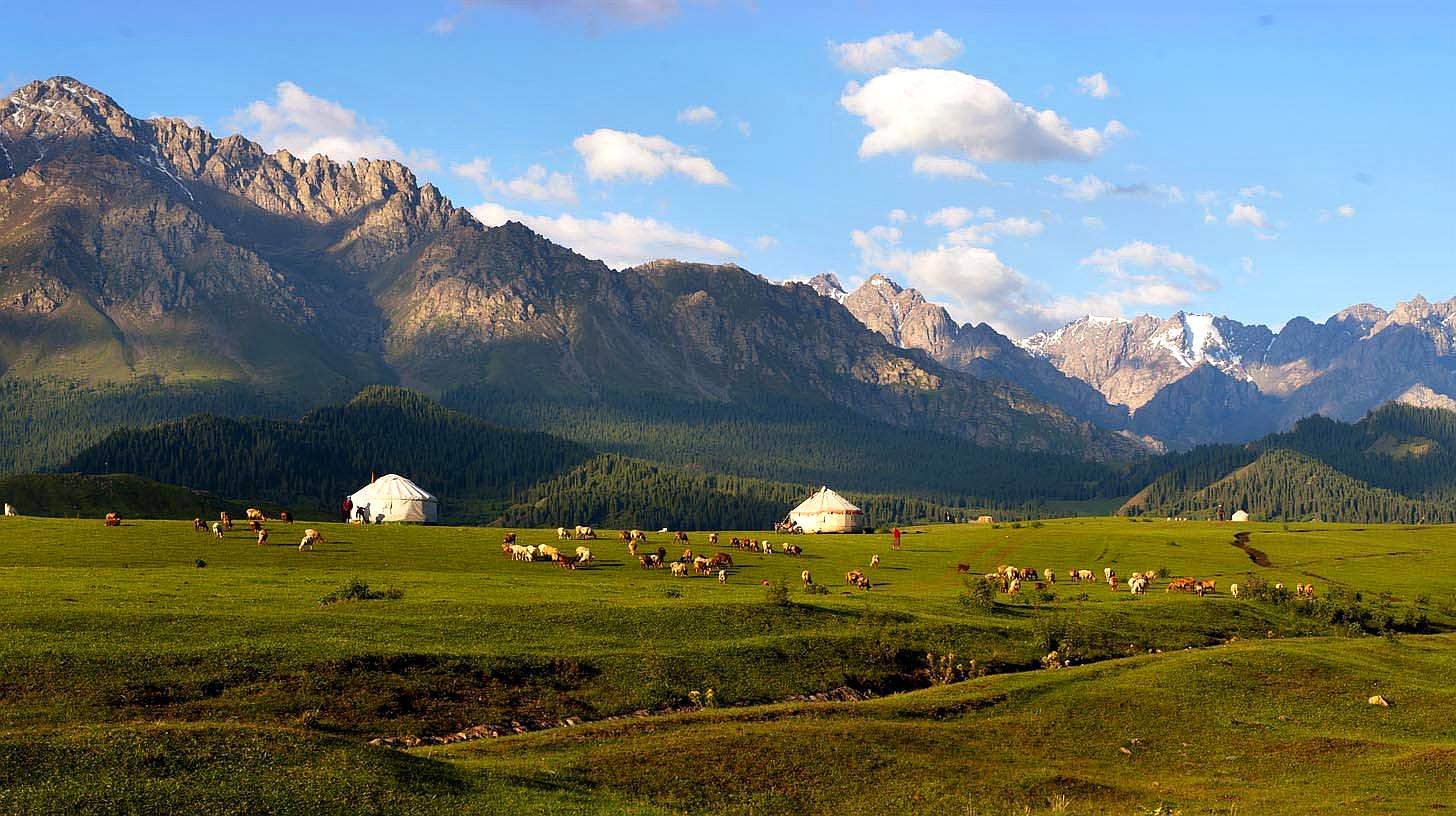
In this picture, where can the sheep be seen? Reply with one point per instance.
(874, 561)
(519, 553)
(584, 555)
(310, 538)
(1107, 573)
(506, 549)
(687, 555)
(1084, 575)
(198, 526)
(562, 534)
(806, 578)
(1234, 590)
(863, 583)
(584, 532)
(1114, 582)
(1015, 586)
(227, 520)
(262, 536)
(792, 549)
(632, 548)
(722, 576)
(679, 569)
(254, 514)
(680, 536)
(1051, 576)
(548, 551)
(702, 565)
(638, 535)
(1138, 585)
(713, 539)
(217, 529)
(853, 577)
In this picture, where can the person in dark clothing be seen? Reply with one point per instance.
(348, 509)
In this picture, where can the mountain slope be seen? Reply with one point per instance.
(332, 451)
(131, 247)
(1396, 464)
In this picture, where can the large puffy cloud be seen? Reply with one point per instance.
(618, 239)
(936, 112)
(1136, 259)
(306, 125)
(615, 154)
(893, 50)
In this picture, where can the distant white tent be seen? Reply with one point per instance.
(827, 512)
(1240, 515)
(394, 498)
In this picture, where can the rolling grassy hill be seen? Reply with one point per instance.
(92, 497)
(142, 681)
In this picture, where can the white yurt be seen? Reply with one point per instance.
(394, 498)
(1240, 515)
(827, 512)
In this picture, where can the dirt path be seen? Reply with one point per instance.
(1241, 540)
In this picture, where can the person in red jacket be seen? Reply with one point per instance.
(896, 531)
(348, 508)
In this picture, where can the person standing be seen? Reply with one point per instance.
(896, 531)
(348, 507)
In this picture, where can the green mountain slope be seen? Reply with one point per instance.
(313, 462)
(1396, 464)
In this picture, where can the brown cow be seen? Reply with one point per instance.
(113, 519)
(285, 516)
(962, 568)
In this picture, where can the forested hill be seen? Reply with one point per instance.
(617, 492)
(332, 451)
(1396, 464)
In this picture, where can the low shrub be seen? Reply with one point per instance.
(776, 593)
(356, 590)
(980, 593)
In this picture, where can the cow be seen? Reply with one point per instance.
(254, 514)
(217, 529)
(227, 520)
(310, 538)
(713, 539)
(285, 516)
(585, 532)
(508, 538)
(113, 519)
(720, 560)
(722, 576)
(806, 578)
(962, 568)
(262, 536)
(562, 534)
(584, 555)
(680, 536)
(679, 569)
(874, 560)
(853, 577)
(198, 526)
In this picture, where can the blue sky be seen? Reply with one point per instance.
(1022, 167)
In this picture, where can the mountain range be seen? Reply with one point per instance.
(152, 250)
(1189, 378)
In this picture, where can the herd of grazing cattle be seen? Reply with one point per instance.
(1007, 578)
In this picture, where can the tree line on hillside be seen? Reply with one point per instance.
(793, 442)
(332, 452)
(621, 493)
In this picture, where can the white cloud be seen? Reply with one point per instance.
(1095, 86)
(947, 167)
(765, 242)
(697, 115)
(536, 183)
(1124, 263)
(1247, 215)
(893, 50)
(1345, 211)
(950, 217)
(899, 216)
(615, 154)
(936, 111)
(307, 125)
(1091, 188)
(618, 239)
(988, 232)
(1207, 197)
(745, 128)
(1257, 191)
(1093, 222)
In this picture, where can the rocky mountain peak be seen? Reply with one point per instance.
(827, 285)
(902, 316)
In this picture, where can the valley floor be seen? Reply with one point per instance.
(151, 668)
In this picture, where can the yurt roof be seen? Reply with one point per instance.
(393, 486)
(826, 501)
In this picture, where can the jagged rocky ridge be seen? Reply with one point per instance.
(150, 247)
(1190, 378)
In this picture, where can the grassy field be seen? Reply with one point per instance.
(150, 668)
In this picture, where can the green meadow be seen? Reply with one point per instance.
(150, 667)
